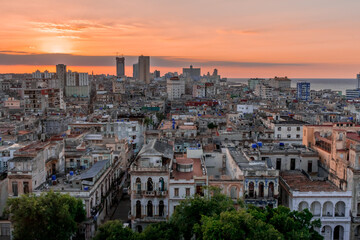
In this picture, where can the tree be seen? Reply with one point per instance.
(48, 216)
(114, 230)
(292, 224)
(190, 211)
(161, 231)
(235, 225)
(160, 116)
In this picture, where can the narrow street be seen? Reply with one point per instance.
(122, 209)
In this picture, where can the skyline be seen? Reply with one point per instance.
(241, 39)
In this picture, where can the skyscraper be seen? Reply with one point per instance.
(61, 75)
(192, 72)
(136, 70)
(358, 79)
(144, 69)
(156, 74)
(303, 91)
(120, 66)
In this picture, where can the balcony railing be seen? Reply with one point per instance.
(161, 193)
(149, 193)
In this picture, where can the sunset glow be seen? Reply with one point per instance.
(314, 39)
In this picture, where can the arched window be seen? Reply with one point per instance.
(150, 185)
(316, 208)
(303, 205)
(271, 189)
(326, 232)
(161, 184)
(161, 208)
(261, 189)
(340, 209)
(251, 189)
(138, 185)
(138, 209)
(328, 209)
(339, 233)
(233, 193)
(357, 231)
(150, 209)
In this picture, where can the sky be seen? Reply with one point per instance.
(241, 38)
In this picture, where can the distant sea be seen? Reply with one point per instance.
(336, 84)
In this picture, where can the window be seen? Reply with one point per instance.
(161, 208)
(289, 136)
(150, 185)
(26, 187)
(261, 189)
(176, 193)
(187, 192)
(271, 189)
(149, 209)
(279, 136)
(309, 166)
(138, 209)
(278, 164)
(279, 128)
(297, 136)
(297, 128)
(251, 189)
(138, 184)
(292, 164)
(15, 188)
(289, 128)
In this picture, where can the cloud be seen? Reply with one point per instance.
(160, 61)
(12, 52)
(237, 32)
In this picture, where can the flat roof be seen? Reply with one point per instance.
(197, 168)
(297, 181)
(94, 170)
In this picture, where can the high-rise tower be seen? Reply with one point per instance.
(61, 75)
(144, 69)
(120, 66)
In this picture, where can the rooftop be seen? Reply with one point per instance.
(297, 181)
(196, 172)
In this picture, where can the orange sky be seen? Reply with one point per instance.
(279, 37)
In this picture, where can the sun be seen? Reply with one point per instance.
(57, 45)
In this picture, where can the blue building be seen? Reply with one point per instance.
(352, 93)
(303, 91)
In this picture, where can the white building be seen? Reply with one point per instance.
(245, 109)
(150, 175)
(7, 153)
(264, 91)
(175, 88)
(132, 131)
(280, 83)
(187, 179)
(77, 84)
(322, 198)
(286, 129)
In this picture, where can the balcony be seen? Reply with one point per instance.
(154, 219)
(161, 193)
(137, 193)
(149, 193)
